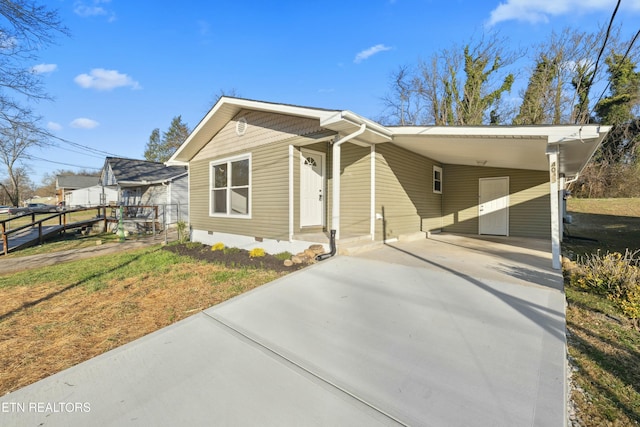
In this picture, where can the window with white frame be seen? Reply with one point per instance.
(437, 179)
(230, 182)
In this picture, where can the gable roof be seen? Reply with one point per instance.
(142, 172)
(227, 108)
(518, 147)
(72, 182)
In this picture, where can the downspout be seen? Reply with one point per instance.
(335, 218)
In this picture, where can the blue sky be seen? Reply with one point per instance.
(131, 66)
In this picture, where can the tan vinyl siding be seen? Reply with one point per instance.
(404, 192)
(355, 197)
(529, 204)
(269, 195)
(269, 189)
(262, 129)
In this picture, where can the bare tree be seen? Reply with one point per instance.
(25, 28)
(456, 86)
(15, 141)
(403, 105)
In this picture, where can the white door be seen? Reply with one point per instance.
(493, 215)
(311, 188)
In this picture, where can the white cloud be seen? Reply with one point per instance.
(53, 126)
(361, 56)
(93, 8)
(101, 79)
(534, 11)
(44, 68)
(84, 123)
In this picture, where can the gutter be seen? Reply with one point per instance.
(335, 217)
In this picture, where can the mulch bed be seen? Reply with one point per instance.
(231, 258)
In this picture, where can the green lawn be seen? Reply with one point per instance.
(604, 346)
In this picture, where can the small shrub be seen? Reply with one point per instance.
(256, 253)
(218, 247)
(283, 256)
(231, 251)
(183, 236)
(613, 275)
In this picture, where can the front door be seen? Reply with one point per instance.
(312, 188)
(493, 215)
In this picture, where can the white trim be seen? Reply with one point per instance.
(433, 179)
(229, 160)
(291, 193)
(323, 156)
(561, 206)
(554, 191)
(271, 246)
(372, 219)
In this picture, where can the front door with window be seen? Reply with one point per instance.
(312, 188)
(493, 215)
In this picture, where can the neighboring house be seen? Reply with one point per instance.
(96, 195)
(139, 182)
(67, 183)
(275, 176)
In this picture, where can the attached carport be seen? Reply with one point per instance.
(439, 332)
(562, 150)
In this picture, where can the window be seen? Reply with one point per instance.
(437, 179)
(231, 187)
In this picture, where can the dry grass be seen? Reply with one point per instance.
(604, 346)
(53, 323)
(605, 350)
(617, 207)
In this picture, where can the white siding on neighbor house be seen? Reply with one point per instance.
(178, 200)
(90, 196)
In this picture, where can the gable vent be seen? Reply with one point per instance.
(241, 126)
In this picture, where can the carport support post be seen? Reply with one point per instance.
(555, 214)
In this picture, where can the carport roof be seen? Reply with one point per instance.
(518, 147)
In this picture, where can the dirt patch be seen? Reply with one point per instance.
(232, 257)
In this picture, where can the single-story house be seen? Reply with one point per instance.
(95, 195)
(67, 183)
(275, 176)
(144, 183)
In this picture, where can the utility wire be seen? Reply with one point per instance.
(84, 147)
(633, 40)
(84, 153)
(604, 45)
(32, 157)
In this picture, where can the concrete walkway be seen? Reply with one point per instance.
(449, 332)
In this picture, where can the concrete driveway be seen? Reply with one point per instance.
(450, 331)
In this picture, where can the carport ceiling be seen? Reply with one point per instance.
(510, 152)
(523, 147)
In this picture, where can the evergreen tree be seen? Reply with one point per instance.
(161, 149)
(533, 107)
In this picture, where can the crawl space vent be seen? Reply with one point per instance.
(241, 126)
